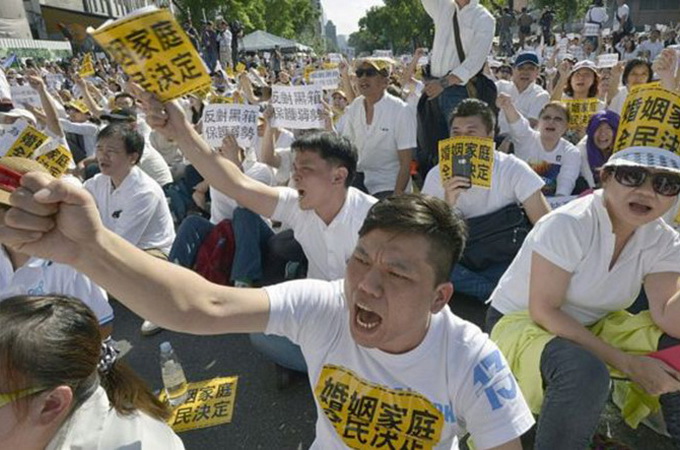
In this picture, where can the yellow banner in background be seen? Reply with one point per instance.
(240, 67)
(86, 67)
(57, 161)
(210, 403)
(156, 53)
(27, 143)
(580, 112)
(650, 118)
(477, 152)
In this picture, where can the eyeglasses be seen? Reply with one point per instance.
(666, 184)
(370, 72)
(14, 396)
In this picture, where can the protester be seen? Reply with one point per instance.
(64, 389)
(224, 38)
(635, 72)
(524, 21)
(597, 145)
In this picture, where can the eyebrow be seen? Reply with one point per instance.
(391, 264)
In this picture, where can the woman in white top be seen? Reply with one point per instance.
(555, 159)
(558, 314)
(630, 73)
(61, 388)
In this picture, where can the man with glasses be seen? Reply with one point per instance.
(383, 129)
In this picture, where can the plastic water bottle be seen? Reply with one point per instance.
(173, 376)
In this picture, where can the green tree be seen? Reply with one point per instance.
(566, 11)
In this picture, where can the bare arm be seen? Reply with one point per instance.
(165, 293)
(663, 294)
(615, 81)
(404, 174)
(504, 102)
(515, 444)
(346, 82)
(268, 153)
(561, 83)
(536, 206)
(87, 97)
(48, 104)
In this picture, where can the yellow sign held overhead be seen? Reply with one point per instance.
(650, 118)
(86, 67)
(155, 52)
(27, 143)
(210, 403)
(240, 67)
(580, 112)
(465, 154)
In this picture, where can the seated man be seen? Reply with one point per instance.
(512, 181)
(388, 361)
(130, 202)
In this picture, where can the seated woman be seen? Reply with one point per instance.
(62, 388)
(558, 314)
(554, 158)
(636, 71)
(597, 145)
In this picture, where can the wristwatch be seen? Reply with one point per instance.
(444, 82)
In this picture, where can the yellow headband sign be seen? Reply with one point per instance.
(156, 53)
(475, 152)
(210, 403)
(650, 118)
(580, 112)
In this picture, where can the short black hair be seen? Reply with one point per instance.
(335, 149)
(471, 107)
(125, 95)
(132, 139)
(632, 64)
(422, 215)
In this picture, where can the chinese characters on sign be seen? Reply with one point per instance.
(57, 161)
(328, 79)
(27, 143)
(479, 152)
(156, 53)
(210, 403)
(297, 107)
(367, 415)
(580, 112)
(650, 118)
(220, 120)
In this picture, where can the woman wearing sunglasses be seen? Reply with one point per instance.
(558, 313)
(62, 388)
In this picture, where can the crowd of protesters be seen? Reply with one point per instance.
(258, 239)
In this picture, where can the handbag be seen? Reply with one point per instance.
(495, 237)
(479, 86)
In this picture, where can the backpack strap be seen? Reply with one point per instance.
(456, 35)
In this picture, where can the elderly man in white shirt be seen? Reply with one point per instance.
(528, 97)
(383, 130)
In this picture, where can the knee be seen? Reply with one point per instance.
(571, 366)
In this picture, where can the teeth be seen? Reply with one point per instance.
(366, 325)
(365, 308)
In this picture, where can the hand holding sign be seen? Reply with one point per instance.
(665, 65)
(453, 187)
(166, 118)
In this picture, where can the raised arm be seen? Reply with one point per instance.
(48, 103)
(61, 223)
(169, 120)
(267, 153)
(87, 97)
(557, 92)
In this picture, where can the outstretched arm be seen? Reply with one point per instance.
(58, 221)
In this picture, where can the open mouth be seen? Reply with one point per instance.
(301, 193)
(639, 208)
(366, 318)
(551, 129)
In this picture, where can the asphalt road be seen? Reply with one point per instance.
(265, 417)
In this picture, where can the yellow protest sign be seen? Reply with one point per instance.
(240, 68)
(466, 154)
(308, 72)
(650, 118)
(86, 66)
(580, 112)
(230, 72)
(368, 415)
(155, 52)
(56, 161)
(210, 403)
(27, 143)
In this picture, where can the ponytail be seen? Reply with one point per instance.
(127, 393)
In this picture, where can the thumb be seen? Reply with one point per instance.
(47, 190)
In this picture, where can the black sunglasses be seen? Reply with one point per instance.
(666, 184)
(370, 72)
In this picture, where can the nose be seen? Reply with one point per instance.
(371, 282)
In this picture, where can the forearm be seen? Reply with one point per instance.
(404, 174)
(167, 294)
(50, 108)
(557, 92)
(347, 87)
(91, 104)
(268, 154)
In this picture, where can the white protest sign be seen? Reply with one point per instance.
(607, 60)
(25, 94)
(591, 29)
(424, 61)
(220, 120)
(335, 58)
(9, 134)
(382, 53)
(54, 81)
(326, 78)
(297, 107)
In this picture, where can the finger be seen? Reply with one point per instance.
(23, 220)
(23, 199)
(58, 191)
(15, 238)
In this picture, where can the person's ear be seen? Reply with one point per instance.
(54, 405)
(443, 293)
(340, 174)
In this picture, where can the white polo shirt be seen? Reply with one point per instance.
(327, 247)
(512, 181)
(137, 210)
(559, 167)
(528, 102)
(393, 129)
(578, 238)
(222, 206)
(42, 277)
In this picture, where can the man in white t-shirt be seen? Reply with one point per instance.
(652, 46)
(383, 130)
(527, 96)
(513, 182)
(389, 364)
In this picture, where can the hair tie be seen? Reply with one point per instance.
(109, 355)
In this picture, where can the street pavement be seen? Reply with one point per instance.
(265, 417)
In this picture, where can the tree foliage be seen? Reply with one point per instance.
(566, 11)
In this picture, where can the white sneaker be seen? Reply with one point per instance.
(149, 328)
